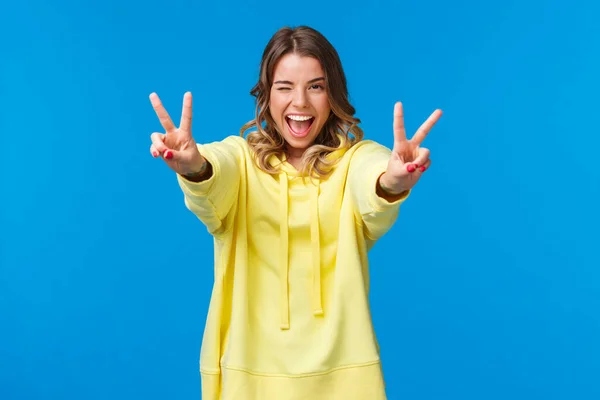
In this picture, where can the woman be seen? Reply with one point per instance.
(293, 208)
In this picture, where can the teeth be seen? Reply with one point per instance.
(299, 117)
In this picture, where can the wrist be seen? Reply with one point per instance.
(387, 188)
(200, 172)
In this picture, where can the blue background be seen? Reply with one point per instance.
(488, 286)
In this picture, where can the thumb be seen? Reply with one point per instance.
(184, 161)
(401, 167)
(169, 154)
(179, 153)
(175, 155)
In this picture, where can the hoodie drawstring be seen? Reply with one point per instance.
(316, 248)
(284, 255)
(283, 260)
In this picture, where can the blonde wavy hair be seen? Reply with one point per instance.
(340, 131)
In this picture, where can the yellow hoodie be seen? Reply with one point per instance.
(289, 315)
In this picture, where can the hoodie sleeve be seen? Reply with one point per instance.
(214, 200)
(376, 214)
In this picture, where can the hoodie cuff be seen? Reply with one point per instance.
(378, 203)
(204, 187)
(208, 199)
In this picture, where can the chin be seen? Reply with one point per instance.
(299, 143)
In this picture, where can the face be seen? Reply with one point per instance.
(299, 103)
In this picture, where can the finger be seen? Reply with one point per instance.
(426, 127)
(425, 166)
(162, 114)
(399, 131)
(154, 151)
(422, 157)
(158, 141)
(416, 171)
(186, 114)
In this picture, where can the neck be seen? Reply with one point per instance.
(294, 154)
(294, 157)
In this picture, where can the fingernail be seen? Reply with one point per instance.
(423, 168)
(154, 154)
(410, 168)
(168, 154)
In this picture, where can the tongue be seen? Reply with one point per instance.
(299, 126)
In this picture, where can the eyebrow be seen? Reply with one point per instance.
(290, 83)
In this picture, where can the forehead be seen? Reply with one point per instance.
(293, 67)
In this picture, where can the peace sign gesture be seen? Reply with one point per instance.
(177, 146)
(409, 160)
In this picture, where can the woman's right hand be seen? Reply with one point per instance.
(176, 146)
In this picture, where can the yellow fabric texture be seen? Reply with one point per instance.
(289, 315)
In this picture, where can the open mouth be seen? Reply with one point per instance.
(299, 126)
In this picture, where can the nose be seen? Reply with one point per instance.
(300, 99)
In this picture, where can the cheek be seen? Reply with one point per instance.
(276, 105)
(274, 110)
(324, 108)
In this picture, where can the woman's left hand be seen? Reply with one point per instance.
(409, 160)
